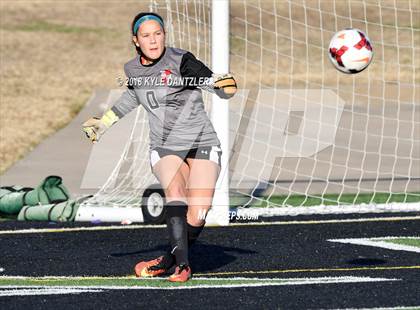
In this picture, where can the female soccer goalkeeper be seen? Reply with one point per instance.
(184, 148)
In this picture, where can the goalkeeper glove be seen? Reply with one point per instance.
(224, 85)
(94, 127)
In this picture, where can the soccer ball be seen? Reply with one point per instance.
(350, 51)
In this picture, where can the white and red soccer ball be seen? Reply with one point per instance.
(350, 51)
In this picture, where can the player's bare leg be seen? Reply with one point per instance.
(200, 189)
(172, 173)
(200, 194)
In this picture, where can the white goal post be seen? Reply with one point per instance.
(303, 134)
(219, 213)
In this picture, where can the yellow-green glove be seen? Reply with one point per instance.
(94, 127)
(224, 85)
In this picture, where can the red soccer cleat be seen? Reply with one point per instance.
(182, 274)
(150, 268)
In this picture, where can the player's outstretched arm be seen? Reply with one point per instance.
(95, 127)
(224, 85)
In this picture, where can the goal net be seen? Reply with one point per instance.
(303, 136)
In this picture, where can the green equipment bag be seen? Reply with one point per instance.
(51, 190)
(11, 201)
(60, 212)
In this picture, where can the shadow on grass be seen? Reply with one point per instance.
(364, 261)
(204, 257)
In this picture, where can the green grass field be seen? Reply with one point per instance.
(405, 241)
(159, 283)
(131, 281)
(330, 199)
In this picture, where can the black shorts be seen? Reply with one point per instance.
(212, 153)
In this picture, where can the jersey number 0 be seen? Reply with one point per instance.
(151, 99)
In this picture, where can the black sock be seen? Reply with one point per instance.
(176, 223)
(193, 233)
(168, 259)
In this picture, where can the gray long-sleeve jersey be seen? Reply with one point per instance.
(177, 118)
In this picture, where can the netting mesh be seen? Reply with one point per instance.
(303, 133)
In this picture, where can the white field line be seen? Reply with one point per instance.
(381, 244)
(336, 221)
(78, 278)
(393, 237)
(329, 209)
(308, 222)
(277, 282)
(46, 291)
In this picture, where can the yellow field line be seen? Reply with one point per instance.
(303, 270)
(309, 222)
(43, 278)
(245, 272)
(72, 229)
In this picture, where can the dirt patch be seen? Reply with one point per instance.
(54, 54)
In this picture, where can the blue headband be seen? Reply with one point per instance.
(146, 18)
